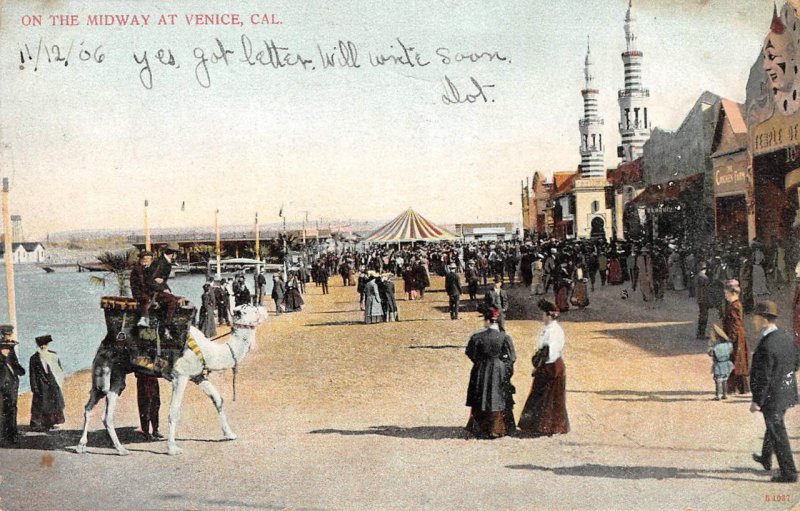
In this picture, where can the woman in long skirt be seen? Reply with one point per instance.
(545, 411)
(580, 297)
(47, 379)
(615, 276)
(207, 323)
(732, 323)
(760, 288)
(373, 311)
(293, 300)
(561, 285)
(537, 284)
(490, 393)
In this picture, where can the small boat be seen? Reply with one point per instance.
(48, 269)
(92, 267)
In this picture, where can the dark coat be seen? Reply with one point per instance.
(278, 289)
(47, 396)
(497, 299)
(10, 371)
(492, 354)
(772, 379)
(452, 284)
(242, 295)
(387, 296)
(207, 324)
(139, 279)
(161, 268)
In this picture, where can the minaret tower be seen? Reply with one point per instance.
(592, 163)
(634, 125)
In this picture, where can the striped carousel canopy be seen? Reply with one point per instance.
(410, 226)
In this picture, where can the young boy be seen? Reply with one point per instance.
(721, 367)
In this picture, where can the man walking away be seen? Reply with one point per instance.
(701, 283)
(774, 387)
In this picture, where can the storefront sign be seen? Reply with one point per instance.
(729, 180)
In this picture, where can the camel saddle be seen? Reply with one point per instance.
(146, 348)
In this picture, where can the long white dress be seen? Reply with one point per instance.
(759, 275)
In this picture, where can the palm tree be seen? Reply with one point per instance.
(118, 265)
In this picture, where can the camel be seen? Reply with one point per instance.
(109, 370)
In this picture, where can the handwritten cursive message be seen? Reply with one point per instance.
(205, 61)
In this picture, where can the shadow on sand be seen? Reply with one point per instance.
(659, 396)
(418, 432)
(439, 347)
(66, 440)
(635, 473)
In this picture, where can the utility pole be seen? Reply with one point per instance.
(216, 233)
(9, 260)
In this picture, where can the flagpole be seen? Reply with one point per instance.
(216, 234)
(9, 261)
(258, 248)
(147, 245)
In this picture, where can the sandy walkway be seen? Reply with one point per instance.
(333, 414)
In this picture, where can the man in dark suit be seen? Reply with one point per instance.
(498, 298)
(278, 291)
(10, 371)
(322, 279)
(774, 387)
(701, 283)
(452, 285)
(140, 275)
(158, 287)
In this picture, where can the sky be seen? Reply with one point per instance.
(85, 144)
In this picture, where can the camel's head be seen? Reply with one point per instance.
(248, 316)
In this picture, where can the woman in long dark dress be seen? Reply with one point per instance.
(489, 393)
(47, 378)
(293, 301)
(207, 323)
(733, 324)
(545, 411)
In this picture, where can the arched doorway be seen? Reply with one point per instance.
(598, 227)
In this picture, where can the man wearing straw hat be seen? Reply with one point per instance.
(774, 389)
(10, 371)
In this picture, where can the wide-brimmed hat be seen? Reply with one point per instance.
(43, 340)
(767, 309)
(145, 253)
(171, 248)
(721, 333)
(733, 285)
(8, 343)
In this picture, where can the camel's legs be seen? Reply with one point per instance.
(212, 392)
(94, 397)
(178, 386)
(108, 420)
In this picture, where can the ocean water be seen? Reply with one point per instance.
(66, 305)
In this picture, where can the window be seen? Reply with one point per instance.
(645, 118)
(595, 206)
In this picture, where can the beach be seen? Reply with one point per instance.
(335, 414)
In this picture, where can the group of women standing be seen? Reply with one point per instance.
(490, 392)
(379, 301)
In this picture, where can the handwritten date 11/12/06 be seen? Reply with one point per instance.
(58, 54)
(474, 92)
